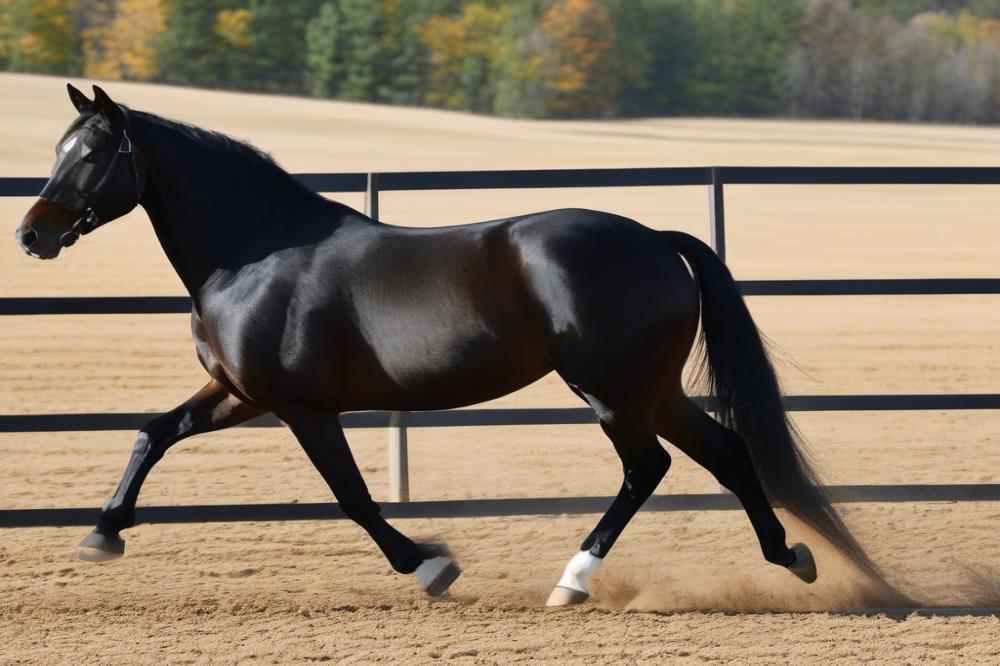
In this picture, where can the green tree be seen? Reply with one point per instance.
(764, 33)
(576, 62)
(361, 36)
(631, 58)
(323, 63)
(195, 49)
(464, 50)
(519, 90)
(275, 49)
(41, 36)
(407, 60)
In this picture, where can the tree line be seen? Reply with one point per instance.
(914, 60)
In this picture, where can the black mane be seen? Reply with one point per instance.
(211, 138)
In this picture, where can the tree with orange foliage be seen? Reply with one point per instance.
(40, 36)
(122, 46)
(464, 51)
(575, 59)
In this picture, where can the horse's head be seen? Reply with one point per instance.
(97, 177)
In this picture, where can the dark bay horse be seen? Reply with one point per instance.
(306, 308)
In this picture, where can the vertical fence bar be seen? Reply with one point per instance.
(717, 213)
(399, 468)
(717, 221)
(399, 463)
(371, 196)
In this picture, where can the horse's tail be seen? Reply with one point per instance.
(736, 369)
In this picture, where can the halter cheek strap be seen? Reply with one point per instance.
(91, 218)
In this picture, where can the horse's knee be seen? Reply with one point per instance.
(150, 445)
(162, 432)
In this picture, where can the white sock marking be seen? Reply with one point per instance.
(579, 570)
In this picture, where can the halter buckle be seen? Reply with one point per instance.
(90, 222)
(126, 147)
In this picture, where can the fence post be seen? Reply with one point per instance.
(371, 196)
(717, 221)
(399, 464)
(717, 213)
(399, 472)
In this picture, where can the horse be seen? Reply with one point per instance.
(306, 308)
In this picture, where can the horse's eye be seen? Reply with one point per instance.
(93, 156)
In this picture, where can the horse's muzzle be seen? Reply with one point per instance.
(46, 230)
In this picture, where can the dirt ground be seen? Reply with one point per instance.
(684, 587)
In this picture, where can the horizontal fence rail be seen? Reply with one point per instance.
(371, 184)
(459, 418)
(643, 177)
(474, 508)
(81, 305)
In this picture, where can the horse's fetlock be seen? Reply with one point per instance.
(783, 556)
(114, 519)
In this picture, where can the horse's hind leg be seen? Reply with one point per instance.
(644, 463)
(322, 438)
(722, 452)
(211, 408)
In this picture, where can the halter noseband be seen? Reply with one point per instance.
(89, 218)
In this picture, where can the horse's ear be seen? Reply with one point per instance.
(106, 106)
(80, 101)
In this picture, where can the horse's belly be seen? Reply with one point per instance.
(449, 363)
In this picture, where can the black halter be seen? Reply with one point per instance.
(97, 213)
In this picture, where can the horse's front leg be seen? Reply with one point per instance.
(211, 408)
(323, 439)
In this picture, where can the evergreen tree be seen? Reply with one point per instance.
(407, 60)
(323, 65)
(361, 30)
(673, 51)
(274, 57)
(519, 89)
(195, 48)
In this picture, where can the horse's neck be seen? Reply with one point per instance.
(209, 208)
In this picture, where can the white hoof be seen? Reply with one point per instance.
(96, 555)
(436, 575)
(564, 596)
(804, 565)
(572, 587)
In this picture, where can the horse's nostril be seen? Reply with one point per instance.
(28, 237)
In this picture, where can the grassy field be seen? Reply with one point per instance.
(684, 587)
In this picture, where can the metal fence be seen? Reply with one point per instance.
(714, 178)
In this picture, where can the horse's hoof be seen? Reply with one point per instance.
(97, 547)
(564, 596)
(804, 565)
(436, 575)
